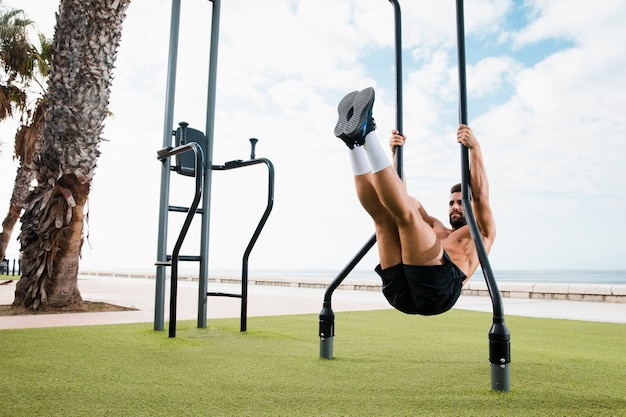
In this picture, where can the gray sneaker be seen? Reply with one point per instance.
(344, 107)
(359, 120)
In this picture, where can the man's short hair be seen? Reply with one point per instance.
(456, 188)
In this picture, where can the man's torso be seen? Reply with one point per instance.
(460, 248)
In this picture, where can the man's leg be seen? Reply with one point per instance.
(420, 245)
(395, 286)
(386, 230)
(387, 236)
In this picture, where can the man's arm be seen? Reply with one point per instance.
(394, 141)
(479, 186)
(399, 140)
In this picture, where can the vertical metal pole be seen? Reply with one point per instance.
(399, 107)
(206, 200)
(499, 336)
(168, 123)
(327, 316)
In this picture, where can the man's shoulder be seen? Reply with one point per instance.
(441, 231)
(460, 233)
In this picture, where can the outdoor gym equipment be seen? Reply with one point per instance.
(200, 166)
(499, 336)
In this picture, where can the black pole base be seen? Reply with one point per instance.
(327, 331)
(500, 377)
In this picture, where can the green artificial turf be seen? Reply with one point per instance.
(4, 277)
(386, 364)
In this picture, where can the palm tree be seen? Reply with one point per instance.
(14, 51)
(22, 65)
(86, 39)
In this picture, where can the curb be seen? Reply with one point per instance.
(607, 293)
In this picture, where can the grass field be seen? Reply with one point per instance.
(386, 364)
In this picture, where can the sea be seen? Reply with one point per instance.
(565, 276)
(561, 276)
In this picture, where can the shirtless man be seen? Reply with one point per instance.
(423, 264)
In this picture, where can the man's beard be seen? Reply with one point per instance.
(457, 222)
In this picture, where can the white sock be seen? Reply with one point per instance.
(375, 153)
(359, 162)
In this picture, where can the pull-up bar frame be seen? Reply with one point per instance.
(166, 165)
(499, 336)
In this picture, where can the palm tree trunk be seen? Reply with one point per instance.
(23, 179)
(27, 143)
(86, 38)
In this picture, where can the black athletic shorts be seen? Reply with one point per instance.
(426, 290)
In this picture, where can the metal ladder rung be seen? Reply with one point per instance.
(181, 209)
(223, 294)
(187, 258)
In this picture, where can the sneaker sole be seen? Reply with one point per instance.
(343, 109)
(362, 102)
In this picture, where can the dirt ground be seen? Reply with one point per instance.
(84, 307)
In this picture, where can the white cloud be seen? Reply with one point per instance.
(552, 144)
(558, 19)
(490, 74)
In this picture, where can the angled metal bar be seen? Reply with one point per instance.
(166, 153)
(268, 209)
(327, 316)
(499, 336)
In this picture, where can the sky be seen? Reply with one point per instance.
(546, 91)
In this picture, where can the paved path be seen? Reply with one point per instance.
(271, 300)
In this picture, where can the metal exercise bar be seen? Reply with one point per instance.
(165, 168)
(203, 280)
(399, 106)
(499, 336)
(327, 316)
(167, 153)
(257, 231)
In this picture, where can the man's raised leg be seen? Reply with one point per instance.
(387, 235)
(420, 245)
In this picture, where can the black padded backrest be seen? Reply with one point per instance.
(186, 162)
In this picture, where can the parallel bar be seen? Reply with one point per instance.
(259, 228)
(197, 150)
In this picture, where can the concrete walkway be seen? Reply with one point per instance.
(271, 300)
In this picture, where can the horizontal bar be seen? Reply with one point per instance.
(223, 294)
(187, 258)
(181, 209)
